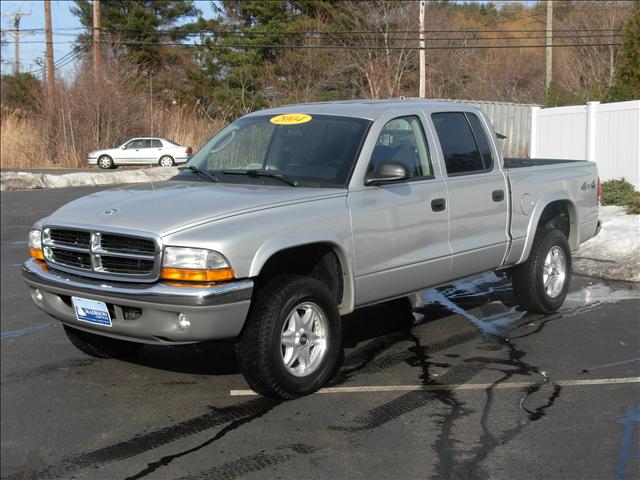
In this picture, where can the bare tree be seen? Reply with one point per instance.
(380, 71)
(592, 67)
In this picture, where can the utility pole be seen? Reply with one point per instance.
(97, 55)
(423, 67)
(51, 81)
(549, 49)
(16, 17)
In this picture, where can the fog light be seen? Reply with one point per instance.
(36, 294)
(183, 322)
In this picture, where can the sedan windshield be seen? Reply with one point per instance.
(307, 150)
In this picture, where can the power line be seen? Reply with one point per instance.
(366, 47)
(179, 31)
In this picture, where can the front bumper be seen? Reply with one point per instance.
(92, 160)
(146, 313)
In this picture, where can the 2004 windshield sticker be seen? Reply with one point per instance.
(290, 119)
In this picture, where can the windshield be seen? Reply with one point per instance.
(313, 151)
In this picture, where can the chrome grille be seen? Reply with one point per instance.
(71, 258)
(118, 243)
(102, 254)
(71, 237)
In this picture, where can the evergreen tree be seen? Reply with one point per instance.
(136, 27)
(627, 85)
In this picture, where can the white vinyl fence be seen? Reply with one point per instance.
(608, 134)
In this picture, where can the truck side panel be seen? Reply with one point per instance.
(534, 188)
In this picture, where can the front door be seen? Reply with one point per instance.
(400, 230)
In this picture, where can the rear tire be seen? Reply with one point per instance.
(542, 282)
(283, 359)
(99, 346)
(166, 161)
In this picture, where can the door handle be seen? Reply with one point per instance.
(497, 195)
(438, 204)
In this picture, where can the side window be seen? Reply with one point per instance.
(137, 143)
(459, 147)
(146, 143)
(155, 143)
(402, 141)
(481, 139)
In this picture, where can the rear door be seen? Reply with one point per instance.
(477, 188)
(156, 150)
(400, 230)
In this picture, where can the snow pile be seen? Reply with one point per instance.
(615, 252)
(28, 180)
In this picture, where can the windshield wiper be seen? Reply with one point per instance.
(263, 173)
(200, 173)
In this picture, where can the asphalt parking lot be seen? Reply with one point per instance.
(471, 387)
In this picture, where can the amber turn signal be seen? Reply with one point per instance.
(195, 275)
(36, 253)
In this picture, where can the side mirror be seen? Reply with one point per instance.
(386, 173)
(123, 147)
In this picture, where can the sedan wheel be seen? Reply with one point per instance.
(166, 161)
(106, 162)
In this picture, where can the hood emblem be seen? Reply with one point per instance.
(111, 211)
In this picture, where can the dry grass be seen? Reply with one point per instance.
(84, 119)
(18, 146)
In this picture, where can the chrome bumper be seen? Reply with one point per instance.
(215, 312)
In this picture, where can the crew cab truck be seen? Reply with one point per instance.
(290, 217)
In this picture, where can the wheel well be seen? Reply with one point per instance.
(317, 260)
(557, 215)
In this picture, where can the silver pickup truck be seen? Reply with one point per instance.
(289, 218)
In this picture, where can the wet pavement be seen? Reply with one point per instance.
(470, 386)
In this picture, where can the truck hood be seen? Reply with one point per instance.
(167, 207)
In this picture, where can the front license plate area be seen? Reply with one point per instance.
(91, 311)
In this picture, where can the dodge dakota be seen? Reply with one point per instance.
(291, 217)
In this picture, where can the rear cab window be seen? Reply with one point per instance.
(465, 147)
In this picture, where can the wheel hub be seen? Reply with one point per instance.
(554, 273)
(304, 339)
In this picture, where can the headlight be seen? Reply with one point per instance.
(195, 265)
(35, 244)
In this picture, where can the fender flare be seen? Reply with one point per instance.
(543, 202)
(283, 242)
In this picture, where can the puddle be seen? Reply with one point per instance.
(496, 316)
(600, 293)
(24, 331)
(631, 416)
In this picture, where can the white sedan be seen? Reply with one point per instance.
(141, 151)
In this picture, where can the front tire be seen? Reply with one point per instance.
(292, 340)
(106, 162)
(541, 283)
(99, 346)
(166, 161)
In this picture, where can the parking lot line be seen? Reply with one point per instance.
(464, 386)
